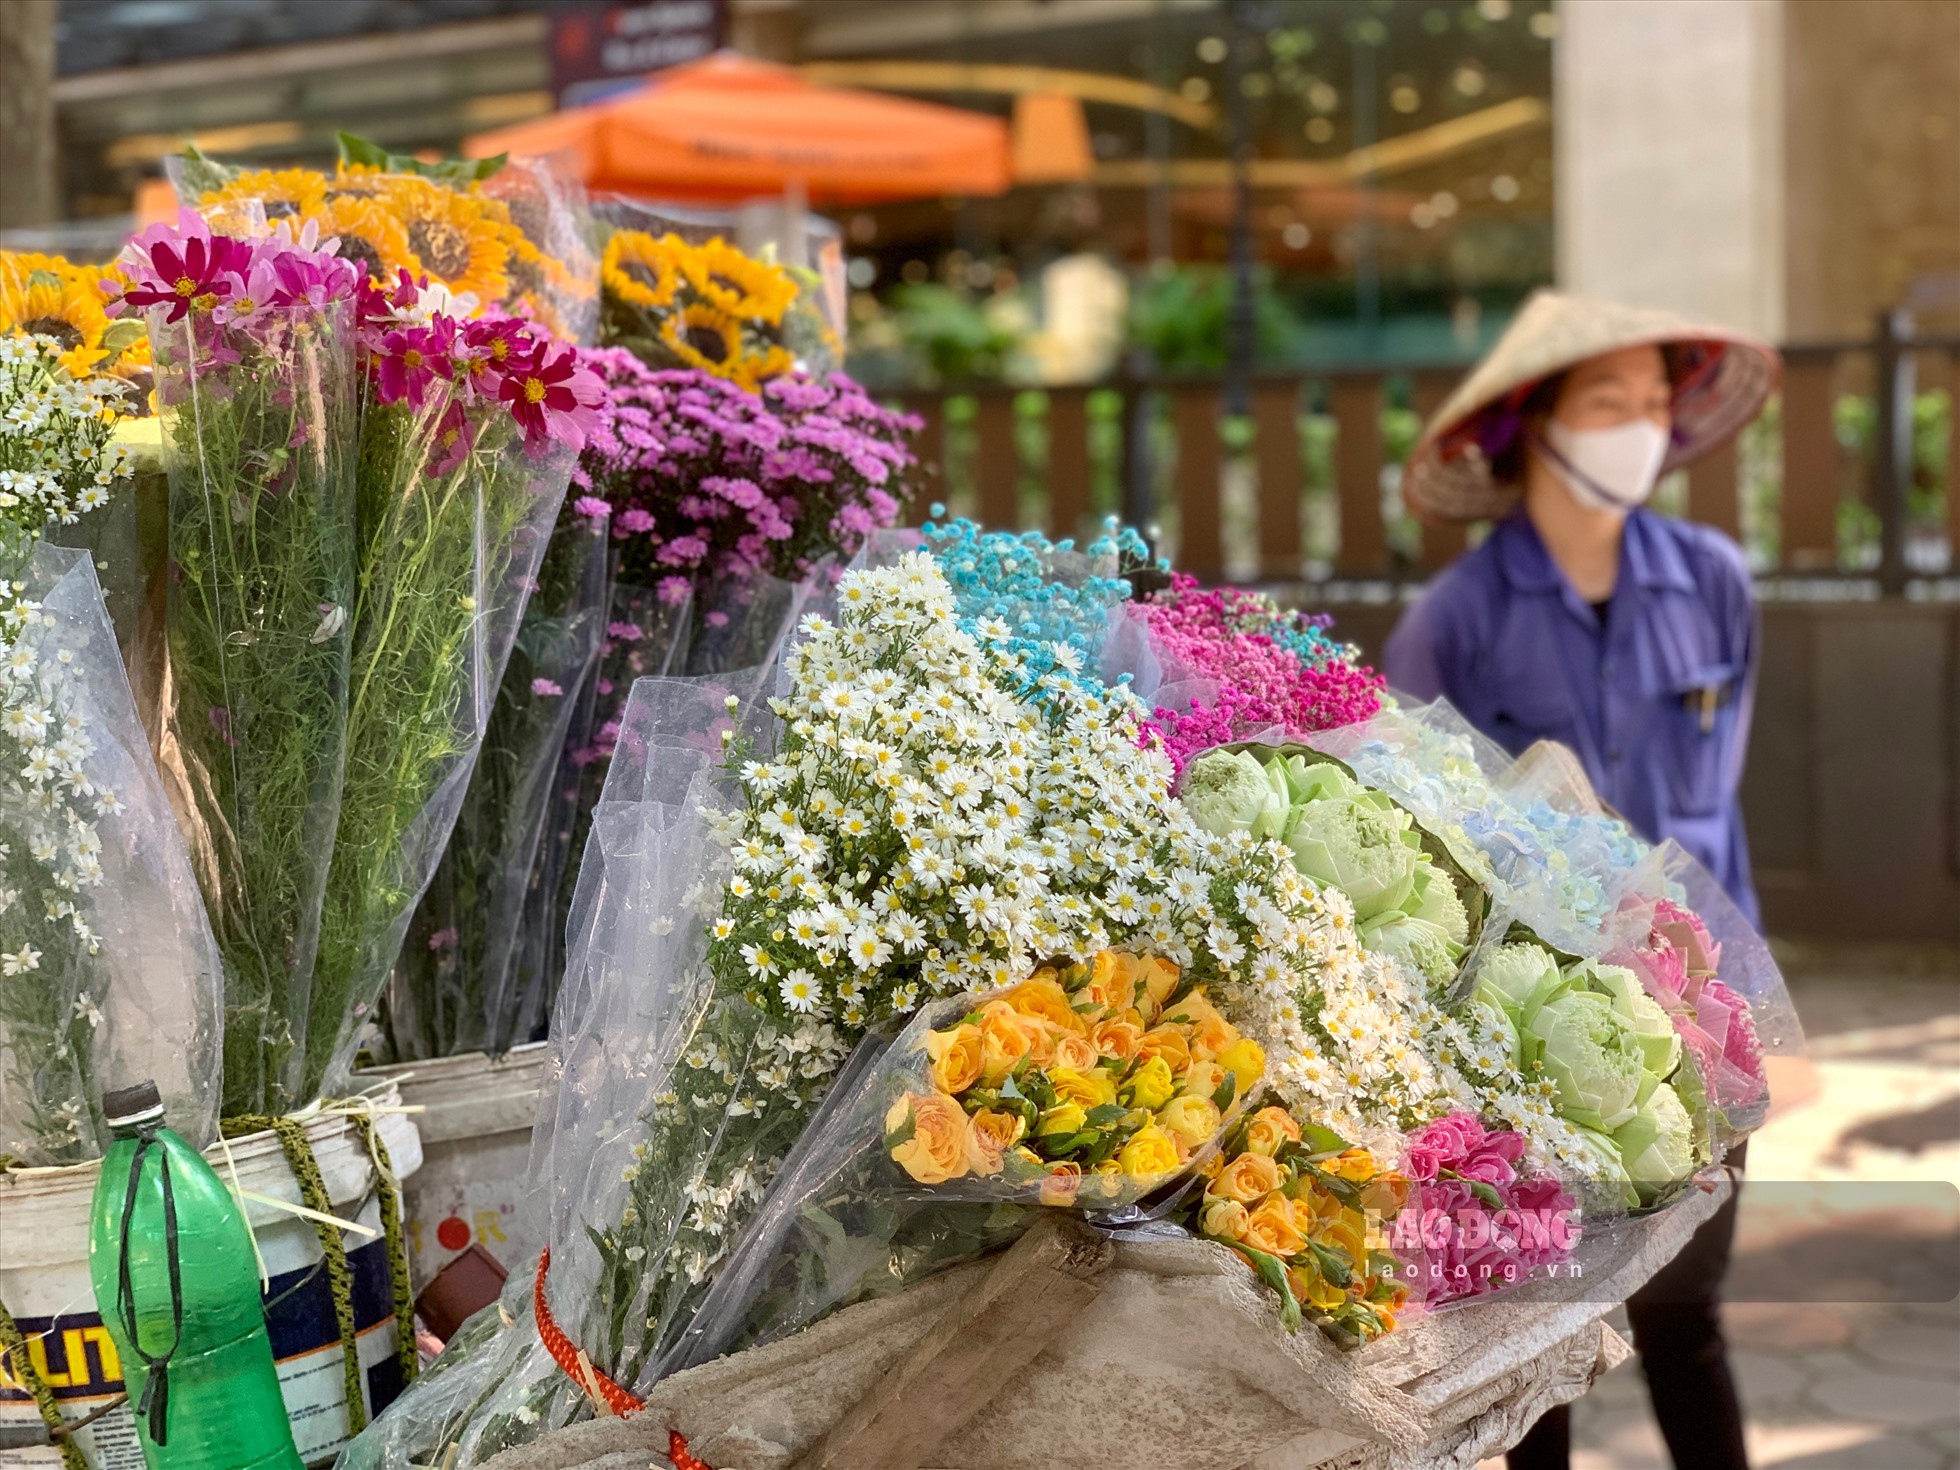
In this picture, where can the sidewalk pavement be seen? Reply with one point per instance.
(1870, 1384)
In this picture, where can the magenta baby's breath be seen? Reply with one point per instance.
(1272, 670)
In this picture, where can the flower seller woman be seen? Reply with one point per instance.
(1628, 636)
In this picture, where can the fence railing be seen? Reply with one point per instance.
(1296, 477)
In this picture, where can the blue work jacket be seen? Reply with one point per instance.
(1654, 698)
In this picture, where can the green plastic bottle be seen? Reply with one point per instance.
(177, 1284)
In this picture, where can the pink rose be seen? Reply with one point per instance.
(1487, 1168)
(1422, 1162)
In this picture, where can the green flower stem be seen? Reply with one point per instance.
(254, 717)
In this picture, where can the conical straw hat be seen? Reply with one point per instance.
(1727, 379)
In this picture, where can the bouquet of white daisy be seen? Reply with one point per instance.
(111, 974)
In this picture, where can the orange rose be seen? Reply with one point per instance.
(1063, 1181)
(1207, 1032)
(1166, 1042)
(987, 1143)
(1004, 1126)
(1274, 1229)
(1160, 977)
(1118, 1038)
(1269, 1129)
(1204, 1079)
(1248, 1179)
(1112, 980)
(1075, 1053)
(1006, 1038)
(1045, 1000)
(958, 1057)
(1385, 1194)
(936, 1151)
(1225, 1219)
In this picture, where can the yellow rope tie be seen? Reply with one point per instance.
(389, 1191)
(13, 1348)
(340, 1281)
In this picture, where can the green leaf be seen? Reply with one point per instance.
(904, 1133)
(1324, 1142)
(360, 151)
(1105, 1114)
(1485, 1192)
(1227, 1090)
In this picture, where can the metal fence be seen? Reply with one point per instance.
(1295, 477)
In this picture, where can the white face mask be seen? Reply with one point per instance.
(1608, 469)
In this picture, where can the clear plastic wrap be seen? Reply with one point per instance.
(127, 986)
(453, 987)
(1552, 856)
(1095, 1086)
(260, 443)
(455, 508)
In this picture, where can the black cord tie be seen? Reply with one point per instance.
(155, 1401)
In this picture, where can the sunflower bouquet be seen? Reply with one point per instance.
(505, 238)
(109, 967)
(678, 302)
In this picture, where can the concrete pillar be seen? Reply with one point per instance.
(1668, 156)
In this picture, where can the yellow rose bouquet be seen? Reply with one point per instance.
(1088, 1084)
(1308, 1212)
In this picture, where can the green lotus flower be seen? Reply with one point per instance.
(1516, 977)
(1590, 1052)
(1358, 841)
(1229, 792)
(1659, 1042)
(1601, 1165)
(1437, 903)
(1657, 1143)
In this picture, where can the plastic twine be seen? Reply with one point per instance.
(340, 1282)
(388, 1189)
(570, 1360)
(14, 1346)
(606, 1394)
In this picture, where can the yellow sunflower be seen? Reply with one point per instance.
(452, 234)
(286, 193)
(704, 338)
(370, 236)
(641, 270)
(738, 284)
(45, 296)
(753, 369)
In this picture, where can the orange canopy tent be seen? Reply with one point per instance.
(729, 128)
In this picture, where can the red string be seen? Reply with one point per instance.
(566, 1356)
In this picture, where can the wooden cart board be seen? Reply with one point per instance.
(1132, 1353)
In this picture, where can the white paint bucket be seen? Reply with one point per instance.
(44, 1280)
(474, 1185)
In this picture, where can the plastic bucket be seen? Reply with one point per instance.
(44, 1280)
(474, 1184)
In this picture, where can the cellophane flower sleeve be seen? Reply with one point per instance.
(260, 434)
(615, 1151)
(1703, 963)
(455, 509)
(453, 988)
(111, 971)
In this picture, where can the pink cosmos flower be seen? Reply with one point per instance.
(547, 688)
(405, 366)
(455, 438)
(552, 397)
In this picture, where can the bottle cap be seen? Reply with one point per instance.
(127, 1105)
